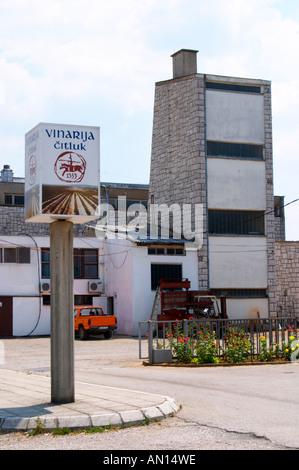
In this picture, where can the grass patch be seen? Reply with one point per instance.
(40, 428)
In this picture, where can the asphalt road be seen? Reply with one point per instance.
(222, 408)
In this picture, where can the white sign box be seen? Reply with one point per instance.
(62, 177)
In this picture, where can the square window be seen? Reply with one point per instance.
(165, 271)
(23, 255)
(8, 199)
(19, 200)
(10, 255)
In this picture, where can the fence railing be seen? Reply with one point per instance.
(158, 340)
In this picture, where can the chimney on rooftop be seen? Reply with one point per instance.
(184, 63)
(6, 174)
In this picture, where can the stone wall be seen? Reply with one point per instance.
(12, 222)
(287, 275)
(279, 213)
(270, 216)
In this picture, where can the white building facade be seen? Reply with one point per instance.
(116, 274)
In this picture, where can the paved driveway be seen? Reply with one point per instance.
(239, 407)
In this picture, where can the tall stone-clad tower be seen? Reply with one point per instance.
(212, 145)
(178, 162)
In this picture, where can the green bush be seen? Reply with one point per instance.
(237, 346)
(206, 348)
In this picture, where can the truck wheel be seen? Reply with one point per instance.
(83, 334)
(108, 334)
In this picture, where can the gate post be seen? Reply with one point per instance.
(150, 342)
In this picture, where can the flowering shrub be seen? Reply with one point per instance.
(289, 347)
(196, 342)
(268, 354)
(206, 348)
(183, 350)
(286, 352)
(182, 347)
(237, 346)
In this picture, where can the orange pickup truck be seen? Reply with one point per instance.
(93, 320)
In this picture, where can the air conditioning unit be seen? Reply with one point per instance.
(95, 286)
(44, 286)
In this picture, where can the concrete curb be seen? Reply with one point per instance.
(24, 405)
(122, 418)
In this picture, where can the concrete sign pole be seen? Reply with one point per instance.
(62, 175)
(62, 312)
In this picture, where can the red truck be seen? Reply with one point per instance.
(92, 320)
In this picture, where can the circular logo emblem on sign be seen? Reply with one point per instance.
(32, 170)
(70, 167)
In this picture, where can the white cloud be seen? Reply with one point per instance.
(2, 92)
(79, 48)
(98, 61)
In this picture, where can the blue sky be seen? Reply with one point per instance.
(95, 62)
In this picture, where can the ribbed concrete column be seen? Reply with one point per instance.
(62, 312)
